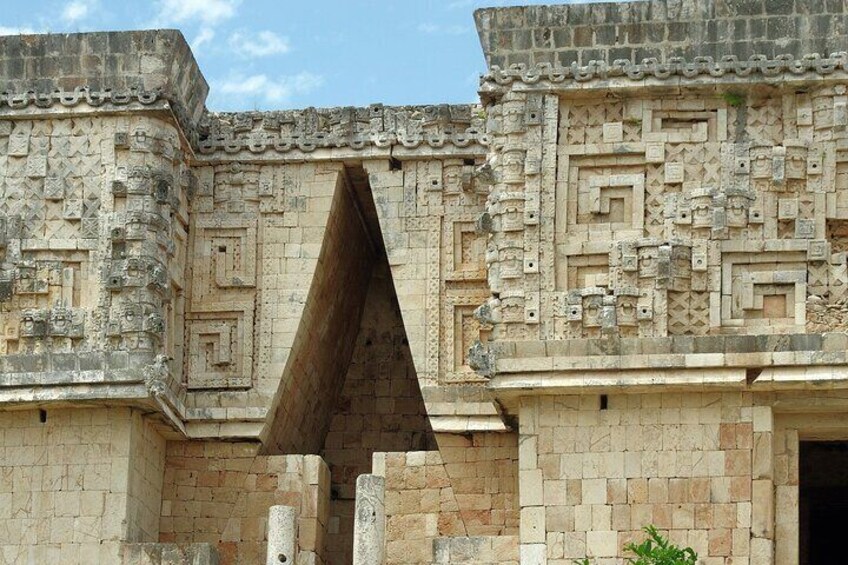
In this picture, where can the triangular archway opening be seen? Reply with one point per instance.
(352, 349)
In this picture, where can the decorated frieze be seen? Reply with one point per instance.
(311, 129)
(597, 73)
(695, 214)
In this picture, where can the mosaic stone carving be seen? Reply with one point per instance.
(666, 210)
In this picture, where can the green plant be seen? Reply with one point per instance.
(655, 550)
(734, 99)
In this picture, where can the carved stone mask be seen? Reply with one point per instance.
(648, 262)
(452, 178)
(796, 163)
(513, 117)
(592, 308)
(761, 163)
(626, 310)
(132, 319)
(60, 321)
(702, 212)
(737, 211)
(681, 262)
(513, 166)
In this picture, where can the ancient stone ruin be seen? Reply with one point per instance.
(612, 294)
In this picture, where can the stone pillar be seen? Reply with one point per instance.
(282, 535)
(369, 525)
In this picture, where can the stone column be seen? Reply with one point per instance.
(282, 535)
(369, 525)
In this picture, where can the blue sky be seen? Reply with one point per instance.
(265, 54)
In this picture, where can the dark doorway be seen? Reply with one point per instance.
(823, 485)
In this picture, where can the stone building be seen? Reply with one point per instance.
(612, 294)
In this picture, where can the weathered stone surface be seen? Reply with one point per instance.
(115, 67)
(369, 524)
(634, 31)
(169, 554)
(612, 294)
(282, 535)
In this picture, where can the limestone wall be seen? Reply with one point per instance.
(220, 493)
(331, 317)
(483, 472)
(591, 478)
(702, 214)
(428, 212)
(620, 294)
(122, 68)
(77, 484)
(430, 497)
(145, 474)
(253, 268)
(633, 31)
(380, 408)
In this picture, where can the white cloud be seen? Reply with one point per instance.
(206, 35)
(208, 12)
(11, 30)
(76, 10)
(260, 44)
(243, 91)
(435, 29)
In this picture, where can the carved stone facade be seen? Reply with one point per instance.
(612, 294)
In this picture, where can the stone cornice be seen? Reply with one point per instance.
(71, 99)
(260, 143)
(25, 103)
(597, 73)
(302, 131)
(579, 356)
(375, 126)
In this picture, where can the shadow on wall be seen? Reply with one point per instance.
(380, 408)
(325, 339)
